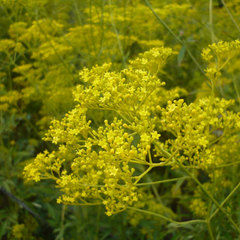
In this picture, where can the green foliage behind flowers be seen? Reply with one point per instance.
(125, 113)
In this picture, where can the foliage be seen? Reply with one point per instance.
(125, 113)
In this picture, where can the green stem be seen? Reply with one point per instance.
(176, 37)
(236, 89)
(163, 181)
(230, 15)
(227, 165)
(166, 218)
(117, 36)
(142, 175)
(62, 220)
(211, 197)
(210, 229)
(98, 220)
(150, 180)
(211, 19)
(202, 188)
(209, 221)
(225, 200)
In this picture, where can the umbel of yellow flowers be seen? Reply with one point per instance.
(103, 163)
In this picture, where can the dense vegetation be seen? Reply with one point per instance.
(119, 119)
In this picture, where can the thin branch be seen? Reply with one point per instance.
(177, 38)
(230, 15)
(163, 181)
(166, 218)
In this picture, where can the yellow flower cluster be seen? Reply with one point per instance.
(140, 20)
(134, 88)
(195, 129)
(9, 101)
(41, 41)
(101, 161)
(99, 164)
(57, 49)
(152, 61)
(198, 207)
(18, 231)
(221, 50)
(217, 55)
(24, 230)
(198, 204)
(124, 122)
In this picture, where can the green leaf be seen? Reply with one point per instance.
(181, 55)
